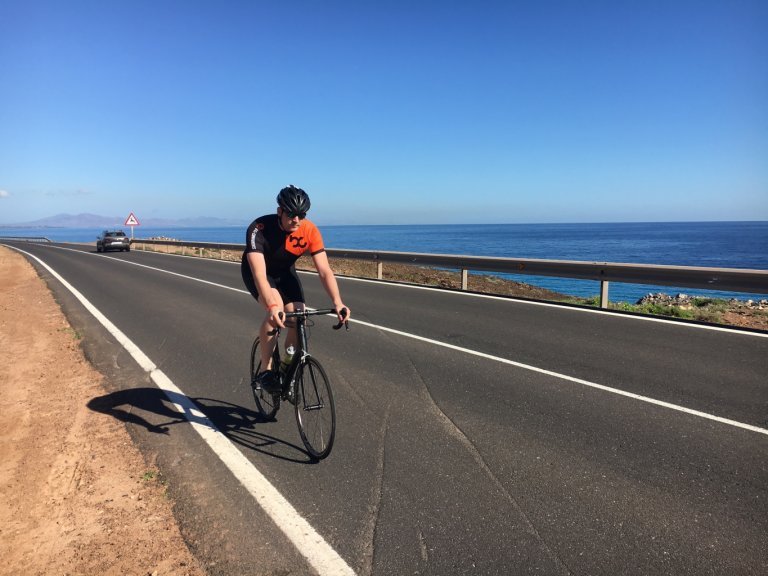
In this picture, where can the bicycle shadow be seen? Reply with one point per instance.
(239, 424)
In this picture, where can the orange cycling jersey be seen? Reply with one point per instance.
(281, 249)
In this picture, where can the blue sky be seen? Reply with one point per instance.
(386, 112)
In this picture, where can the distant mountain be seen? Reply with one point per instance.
(71, 221)
(96, 221)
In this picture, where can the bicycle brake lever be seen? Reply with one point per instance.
(277, 328)
(344, 312)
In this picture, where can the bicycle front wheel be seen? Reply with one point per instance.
(266, 402)
(315, 410)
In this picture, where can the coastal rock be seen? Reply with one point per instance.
(688, 301)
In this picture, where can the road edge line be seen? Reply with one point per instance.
(308, 542)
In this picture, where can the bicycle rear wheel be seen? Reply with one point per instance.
(266, 402)
(315, 410)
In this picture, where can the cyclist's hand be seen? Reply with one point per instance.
(343, 314)
(277, 318)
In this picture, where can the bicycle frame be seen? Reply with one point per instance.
(303, 383)
(301, 353)
(289, 377)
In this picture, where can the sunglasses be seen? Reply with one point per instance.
(292, 215)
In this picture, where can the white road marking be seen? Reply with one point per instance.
(565, 377)
(580, 381)
(570, 379)
(319, 554)
(585, 310)
(613, 314)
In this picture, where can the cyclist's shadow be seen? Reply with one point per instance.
(241, 425)
(246, 428)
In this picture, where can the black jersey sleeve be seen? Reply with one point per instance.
(254, 237)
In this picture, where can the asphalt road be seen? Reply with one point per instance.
(540, 440)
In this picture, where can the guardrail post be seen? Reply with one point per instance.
(604, 293)
(464, 278)
(379, 270)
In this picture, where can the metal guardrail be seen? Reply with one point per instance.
(728, 279)
(27, 238)
(183, 245)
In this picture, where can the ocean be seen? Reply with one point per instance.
(708, 244)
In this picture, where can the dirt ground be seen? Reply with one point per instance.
(76, 495)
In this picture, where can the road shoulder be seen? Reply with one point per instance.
(78, 496)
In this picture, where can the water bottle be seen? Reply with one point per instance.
(286, 361)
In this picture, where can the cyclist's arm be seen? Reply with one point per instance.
(329, 282)
(266, 294)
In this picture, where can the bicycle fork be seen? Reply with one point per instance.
(319, 405)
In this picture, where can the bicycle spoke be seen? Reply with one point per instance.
(315, 411)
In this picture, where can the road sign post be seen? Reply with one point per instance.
(132, 221)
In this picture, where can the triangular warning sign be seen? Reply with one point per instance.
(131, 221)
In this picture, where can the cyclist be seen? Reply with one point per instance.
(273, 243)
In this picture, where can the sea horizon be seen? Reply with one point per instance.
(321, 224)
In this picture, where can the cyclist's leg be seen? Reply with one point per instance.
(266, 337)
(293, 296)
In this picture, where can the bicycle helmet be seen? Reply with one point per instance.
(293, 200)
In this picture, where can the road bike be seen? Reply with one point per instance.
(303, 383)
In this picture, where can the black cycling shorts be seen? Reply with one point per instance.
(287, 284)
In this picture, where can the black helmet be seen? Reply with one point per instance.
(293, 200)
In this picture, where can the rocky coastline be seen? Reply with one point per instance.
(688, 301)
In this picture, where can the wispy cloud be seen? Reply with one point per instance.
(4, 194)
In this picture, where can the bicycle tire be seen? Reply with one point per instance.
(315, 409)
(267, 403)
